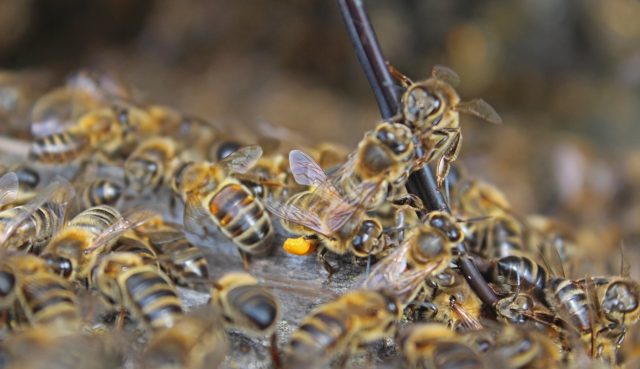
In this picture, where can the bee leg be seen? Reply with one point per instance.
(328, 267)
(246, 260)
(441, 172)
(120, 318)
(273, 351)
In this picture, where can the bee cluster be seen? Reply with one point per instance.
(116, 208)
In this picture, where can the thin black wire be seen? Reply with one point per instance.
(421, 182)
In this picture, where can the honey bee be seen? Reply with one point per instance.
(184, 262)
(126, 282)
(523, 347)
(131, 242)
(29, 227)
(449, 300)
(212, 197)
(341, 326)
(427, 251)
(519, 272)
(104, 191)
(43, 347)
(571, 302)
(434, 346)
(432, 108)
(150, 164)
(102, 130)
(245, 304)
(328, 213)
(39, 296)
(195, 341)
(618, 298)
(74, 250)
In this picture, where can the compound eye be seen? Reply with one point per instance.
(391, 140)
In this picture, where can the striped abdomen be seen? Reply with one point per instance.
(101, 192)
(151, 297)
(324, 333)
(135, 246)
(35, 231)
(569, 300)
(183, 261)
(58, 148)
(256, 307)
(147, 167)
(518, 271)
(242, 218)
(95, 220)
(46, 298)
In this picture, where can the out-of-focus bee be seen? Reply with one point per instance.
(28, 178)
(213, 198)
(523, 347)
(104, 191)
(29, 227)
(195, 341)
(48, 347)
(150, 164)
(432, 108)
(100, 130)
(553, 239)
(427, 251)
(245, 304)
(341, 326)
(74, 250)
(37, 296)
(434, 346)
(126, 282)
(131, 242)
(84, 91)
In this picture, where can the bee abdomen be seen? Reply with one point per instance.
(568, 297)
(258, 306)
(155, 299)
(96, 219)
(102, 192)
(58, 148)
(49, 298)
(187, 257)
(514, 270)
(242, 218)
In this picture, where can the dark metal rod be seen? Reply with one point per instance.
(421, 182)
(370, 56)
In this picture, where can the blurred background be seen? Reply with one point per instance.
(565, 76)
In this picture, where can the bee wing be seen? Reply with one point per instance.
(129, 220)
(164, 237)
(479, 108)
(305, 170)
(387, 269)
(8, 188)
(241, 160)
(56, 195)
(445, 74)
(298, 215)
(468, 321)
(343, 209)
